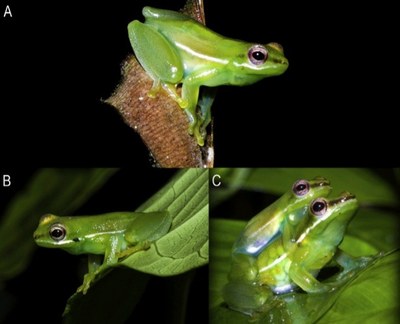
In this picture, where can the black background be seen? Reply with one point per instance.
(59, 60)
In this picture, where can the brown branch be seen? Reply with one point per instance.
(160, 121)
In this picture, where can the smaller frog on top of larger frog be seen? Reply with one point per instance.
(175, 49)
(281, 268)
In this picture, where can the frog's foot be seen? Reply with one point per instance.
(353, 267)
(195, 127)
(154, 89)
(182, 102)
(171, 90)
(203, 122)
(203, 127)
(145, 245)
(269, 305)
(195, 130)
(87, 279)
(199, 135)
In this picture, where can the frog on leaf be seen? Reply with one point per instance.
(114, 235)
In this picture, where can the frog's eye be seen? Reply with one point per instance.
(301, 188)
(57, 232)
(318, 207)
(257, 54)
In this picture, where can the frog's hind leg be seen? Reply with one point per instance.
(141, 246)
(246, 297)
(159, 58)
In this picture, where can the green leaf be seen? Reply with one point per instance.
(60, 191)
(376, 227)
(185, 246)
(223, 234)
(372, 297)
(366, 184)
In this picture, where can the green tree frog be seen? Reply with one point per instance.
(281, 267)
(175, 49)
(114, 235)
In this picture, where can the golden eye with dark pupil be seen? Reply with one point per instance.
(318, 207)
(57, 232)
(301, 188)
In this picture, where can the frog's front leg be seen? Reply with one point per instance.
(95, 266)
(307, 281)
(94, 263)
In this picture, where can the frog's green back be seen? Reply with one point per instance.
(226, 59)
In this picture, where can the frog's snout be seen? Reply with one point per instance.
(35, 236)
